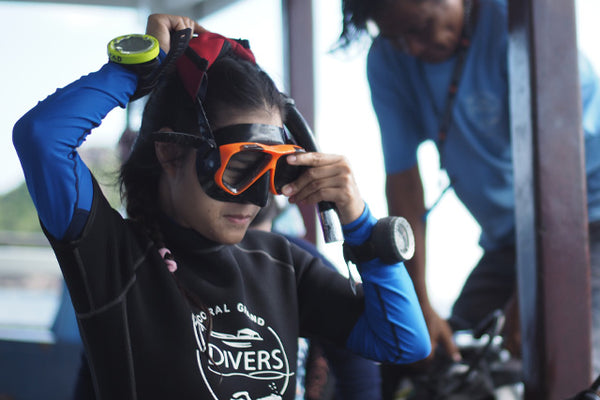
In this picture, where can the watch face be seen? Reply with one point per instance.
(133, 49)
(134, 44)
(404, 238)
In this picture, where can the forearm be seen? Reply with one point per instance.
(416, 266)
(392, 327)
(406, 199)
(46, 139)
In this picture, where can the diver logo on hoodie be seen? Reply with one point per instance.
(247, 362)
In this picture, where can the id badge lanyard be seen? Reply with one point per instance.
(446, 116)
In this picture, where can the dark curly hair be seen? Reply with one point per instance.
(355, 16)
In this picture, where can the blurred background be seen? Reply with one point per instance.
(47, 45)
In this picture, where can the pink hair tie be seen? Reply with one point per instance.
(168, 257)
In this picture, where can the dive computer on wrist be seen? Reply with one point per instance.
(391, 240)
(134, 49)
(139, 54)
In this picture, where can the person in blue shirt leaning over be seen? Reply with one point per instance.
(424, 50)
(180, 300)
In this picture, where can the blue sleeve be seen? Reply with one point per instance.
(47, 138)
(392, 327)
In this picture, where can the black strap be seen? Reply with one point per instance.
(147, 82)
(360, 253)
(446, 116)
(461, 56)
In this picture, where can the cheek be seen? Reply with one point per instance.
(210, 222)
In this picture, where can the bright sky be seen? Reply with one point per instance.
(58, 44)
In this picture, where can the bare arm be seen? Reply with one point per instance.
(404, 191)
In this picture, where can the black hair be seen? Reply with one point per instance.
(355, 16)
(240, 86)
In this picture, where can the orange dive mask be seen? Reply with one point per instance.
(243, 163)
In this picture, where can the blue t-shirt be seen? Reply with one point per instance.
(409, 95)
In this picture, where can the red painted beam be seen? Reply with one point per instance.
(551, 213)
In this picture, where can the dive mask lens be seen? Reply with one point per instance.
(242, 169)
(243, 163)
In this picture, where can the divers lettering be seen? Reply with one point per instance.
(247, 361)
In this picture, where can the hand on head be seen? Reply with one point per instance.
(161, 25)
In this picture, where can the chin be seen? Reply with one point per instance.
(232, 237)
(436, 58)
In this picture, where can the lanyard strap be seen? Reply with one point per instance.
(446, 116)
(461, 56)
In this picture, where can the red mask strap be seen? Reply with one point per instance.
(201, 53)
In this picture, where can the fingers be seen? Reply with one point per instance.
(329, 179)
(447, 341)
(161, 25)
(441, 334)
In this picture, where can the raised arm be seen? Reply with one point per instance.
(47, 138)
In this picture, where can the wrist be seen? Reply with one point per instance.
(139, 54)
(359, 230)
(133, 49)
(390, 240)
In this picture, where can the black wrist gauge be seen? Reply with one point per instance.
(133, 49)
(392, 241)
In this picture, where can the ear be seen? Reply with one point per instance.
(168, 155)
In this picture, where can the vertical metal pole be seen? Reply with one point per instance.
(550, 189)
(299, 67)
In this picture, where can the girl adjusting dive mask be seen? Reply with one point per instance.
(239, 163)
